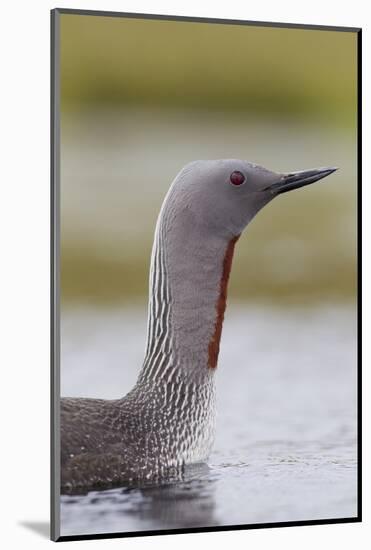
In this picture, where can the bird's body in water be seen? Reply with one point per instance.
(168, 419)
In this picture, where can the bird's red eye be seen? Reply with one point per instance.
(237, 178)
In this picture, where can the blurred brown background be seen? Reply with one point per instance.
(141, 98)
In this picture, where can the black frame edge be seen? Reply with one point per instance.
(359, 271)
(52, 273)
(54, 276)
(168, 17)
(150, 533)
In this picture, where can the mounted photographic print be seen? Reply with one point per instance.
(205, 191)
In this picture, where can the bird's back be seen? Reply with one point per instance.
(94, 449)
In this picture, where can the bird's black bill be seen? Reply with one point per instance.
(288, 182)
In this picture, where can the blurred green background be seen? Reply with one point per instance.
(141, 98)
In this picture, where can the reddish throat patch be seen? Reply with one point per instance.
(221, 304)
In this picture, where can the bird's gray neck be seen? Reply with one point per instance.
(188, 282)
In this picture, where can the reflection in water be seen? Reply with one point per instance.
(189, 503)
(175, 504)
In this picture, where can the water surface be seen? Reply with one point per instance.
(285, 448)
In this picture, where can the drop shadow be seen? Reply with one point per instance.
(41, 528)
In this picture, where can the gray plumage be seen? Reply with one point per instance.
(168, 419)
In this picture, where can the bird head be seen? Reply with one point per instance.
(224, 195)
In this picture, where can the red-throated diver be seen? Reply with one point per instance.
(167, 420)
